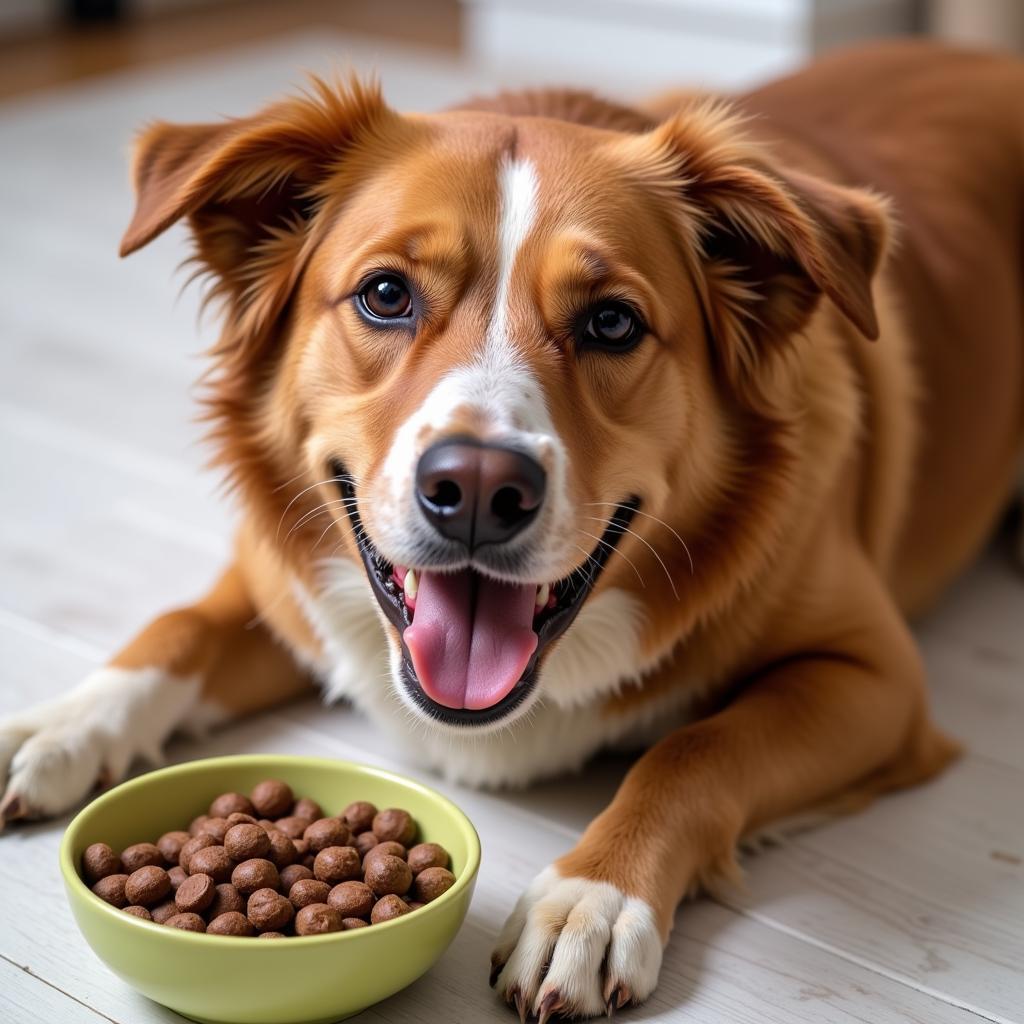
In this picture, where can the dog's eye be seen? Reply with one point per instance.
(613, 326)
(386, 297)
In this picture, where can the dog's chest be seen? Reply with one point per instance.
(564, 727)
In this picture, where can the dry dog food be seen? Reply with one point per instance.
(272, 866)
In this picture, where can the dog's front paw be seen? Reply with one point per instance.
(53, 755)
(577, 948)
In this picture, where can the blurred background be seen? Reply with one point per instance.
(647, 43)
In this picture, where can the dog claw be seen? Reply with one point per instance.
(520, 1004)
(12, 809)
(550, 1004)
(610, 1003)
(496, 968)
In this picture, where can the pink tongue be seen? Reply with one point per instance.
(470, 650)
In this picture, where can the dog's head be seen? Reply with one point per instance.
(513, 359)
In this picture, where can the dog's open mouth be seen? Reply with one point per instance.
(470, 643)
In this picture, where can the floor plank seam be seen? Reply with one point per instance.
(56, 988)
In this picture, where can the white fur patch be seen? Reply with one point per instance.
(571, 927)
(52, 755)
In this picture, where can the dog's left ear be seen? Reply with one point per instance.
(770, 240)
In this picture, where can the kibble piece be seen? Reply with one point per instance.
(245, 841)
(351, 899)
(427, 855)
(267, 825)
(282, 849)
(231, 923)
(255, 874)
(136, 911)
(196, 825)
(238, 818)
(348, 923)
(139, 856)
(336, 864)
(308, 861)
(186, 922)
(308, 891)
(389, 848)
(431, 882)
(177, 875)
(317, 919)
(195, 894)
(170, 844)
(272, 798)
(388, 907)
(214, 861)
(272, 935)
(414, 905)
(226, 899)
(268, 910)
(394, 824)
(216, 827)
(301, 847)
(359, 816)
(387, 875)
(196, 843)
(292, 826)
(326, 832)
(163, 912)
(99, 861)
(306, 808)
(292, 874)
(365, 842)
(147, 886)
(229, 803)
(111, 890)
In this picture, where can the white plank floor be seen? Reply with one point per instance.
(912, 911)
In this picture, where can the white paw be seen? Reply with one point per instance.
(576, 948)
(53, 755)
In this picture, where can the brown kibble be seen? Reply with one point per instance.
(359, 816)
(272, 935)
(238, 818)
(137, 911)
(196, 824)
(267, 825)
(317, 919)
(308, 891)
(272, 798)
(195, 894)
(268, 910)
(348, 923)
(196, 843)
(427, 855)
(388, 875)
(230, 923)
(111, 890)
(336, 864)
(255, 874)
(139, 856)
(163, 912)
(390, 848)
(282, 849)
(177, 875)
(387, 908)
(245, 841)
(306, 808)
(147, 886)
(292, 826)
(431, 883)
(365, 842)
(351, 899)
(230, 803)
(301, 847)
(186, 922)
(414, 905)
(326, 832)
(170, 844)
(226, 899)
(214, 861)
(394, 824)
(100, 861)
(216, 827)
(308, 861)
(292, 874)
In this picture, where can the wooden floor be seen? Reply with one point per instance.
(912, 911)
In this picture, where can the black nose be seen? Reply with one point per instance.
(478, 493)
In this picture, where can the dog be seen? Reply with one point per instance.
(558, 425)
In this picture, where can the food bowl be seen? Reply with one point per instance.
(214, 978)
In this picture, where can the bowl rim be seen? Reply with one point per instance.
(72, 879)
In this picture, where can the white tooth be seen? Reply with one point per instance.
(543, 593)
(411, 585)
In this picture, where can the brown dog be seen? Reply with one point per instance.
(606, 416)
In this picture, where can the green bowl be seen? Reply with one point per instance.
(213, 978)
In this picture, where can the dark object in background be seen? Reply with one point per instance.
(91, 12)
